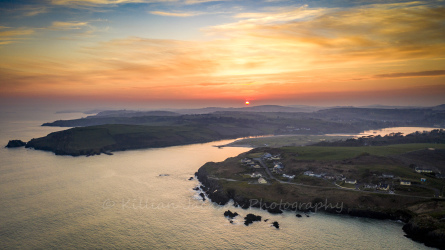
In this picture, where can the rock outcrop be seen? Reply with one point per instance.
(424, 229)
(15, 144)
(250, 218)
(230, 214)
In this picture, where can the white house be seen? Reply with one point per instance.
(387, 175)
(267, 155)
(278, 166)
(423, 170)
(384, 187)
(351, 181)
(254, 175)
(308, 173)
(405, 183)
(275, 157)
(261, 180)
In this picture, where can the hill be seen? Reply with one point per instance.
(116, 137)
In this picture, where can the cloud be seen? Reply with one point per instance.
(75, 3)
(5, 42)
(33, 11)
(286, 52)
(405, 31)
(201, 1)
(14, 35)
(67, 25)
(161, 13)
(93, 2)
(413, 74)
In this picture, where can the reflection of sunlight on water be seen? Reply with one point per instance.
(386, 131)
(120, 201)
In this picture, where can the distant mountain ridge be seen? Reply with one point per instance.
(259, 108)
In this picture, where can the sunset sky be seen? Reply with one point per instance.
(184, 53)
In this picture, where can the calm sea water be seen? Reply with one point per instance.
(120, 201)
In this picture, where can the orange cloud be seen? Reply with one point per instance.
(67, 25)
(162, 13)
(284, 53)
(13, 35)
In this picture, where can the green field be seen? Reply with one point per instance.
(285, 140)
(342, 153)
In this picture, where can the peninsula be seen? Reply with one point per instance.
(397, 181)
(94, 140)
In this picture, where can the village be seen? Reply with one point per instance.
(268, 168)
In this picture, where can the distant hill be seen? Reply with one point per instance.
(260, 108)
(440, 107)
(377, 106)
(132, 113)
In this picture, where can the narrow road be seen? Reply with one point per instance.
(261, 162)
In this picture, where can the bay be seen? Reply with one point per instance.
(143, 199)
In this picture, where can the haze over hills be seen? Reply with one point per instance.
(223, 123)
(282, 117)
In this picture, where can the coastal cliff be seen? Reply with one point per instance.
(231, 180)
(221, 195)
(427, 230)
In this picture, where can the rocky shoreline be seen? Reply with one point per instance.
(415, 227)
(105, 139)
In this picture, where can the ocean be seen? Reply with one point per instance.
(144, 199)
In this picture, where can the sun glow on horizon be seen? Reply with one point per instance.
(359, 54)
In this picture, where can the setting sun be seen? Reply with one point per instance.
(247, 102)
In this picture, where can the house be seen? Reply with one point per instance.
(384, 187)
(278, 165)
(405, 183)
(267, 156)
(246, 161)
(388, 176)
(340, 178)
(288, 176)
(370, 186)
(261, 180)
(256, 166)
(423, 170)
(256, 174)
(329, 177)
(275, 158)
(308, 173)
(351, 181)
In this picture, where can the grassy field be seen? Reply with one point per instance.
(342, 153)
(365, 164)
(285, 140)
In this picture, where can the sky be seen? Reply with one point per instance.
(198, 53)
